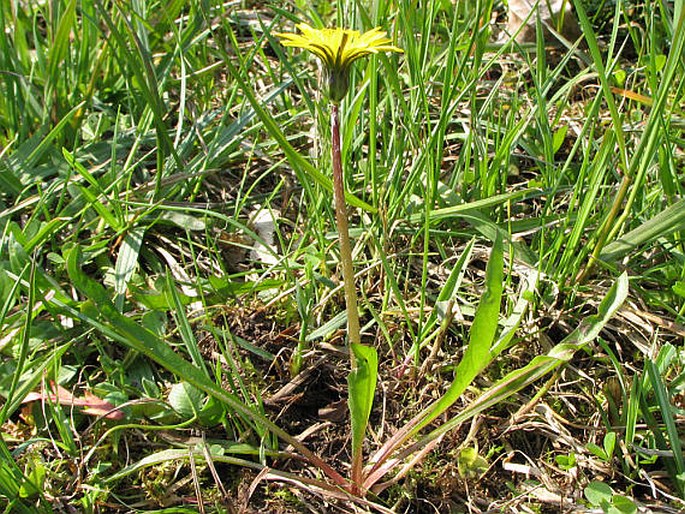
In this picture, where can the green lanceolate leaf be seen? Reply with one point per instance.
(487, 315)
(362, 386)
(478, 354)
(513, 382)
(127, 262)
(542, 365)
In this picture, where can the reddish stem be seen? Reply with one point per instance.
(353, 332)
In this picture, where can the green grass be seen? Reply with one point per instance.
(137, 140)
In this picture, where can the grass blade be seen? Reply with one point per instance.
(667, 416)
(298, 162)
(147, 343)
(663, 224)
(183, 323)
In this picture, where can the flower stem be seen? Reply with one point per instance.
(353, 332)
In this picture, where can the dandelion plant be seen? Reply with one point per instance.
(338, 49)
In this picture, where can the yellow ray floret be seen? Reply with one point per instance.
(338, 49)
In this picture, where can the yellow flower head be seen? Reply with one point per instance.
(338, 49)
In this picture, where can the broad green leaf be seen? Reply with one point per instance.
(513, 382)
(362, 386)
(487, 315)
(470, 463)
(566, 462)
(212, 412)
(609, 444)
(597, 492)
(660, 62)
(596, 451)
(622, 505)
(186, 399)
(542, 365)
(559, 138)
(619, 76)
